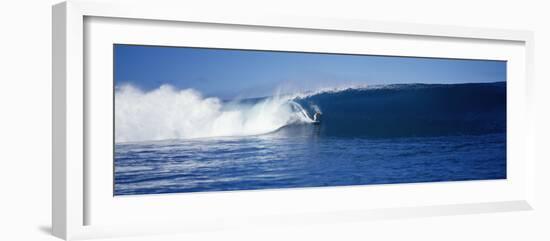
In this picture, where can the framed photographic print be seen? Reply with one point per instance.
(193, 119)
(177, 121)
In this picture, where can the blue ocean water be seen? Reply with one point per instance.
(384, 135)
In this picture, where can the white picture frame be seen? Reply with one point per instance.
(79, 195)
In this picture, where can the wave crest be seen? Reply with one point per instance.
(169, 113)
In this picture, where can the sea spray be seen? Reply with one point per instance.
(169, 113)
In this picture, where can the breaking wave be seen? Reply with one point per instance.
(359, 111)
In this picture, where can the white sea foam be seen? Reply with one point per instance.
(169, 113)
(329, 90)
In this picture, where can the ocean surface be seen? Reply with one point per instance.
(367, 135)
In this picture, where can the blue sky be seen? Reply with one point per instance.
(243, 73)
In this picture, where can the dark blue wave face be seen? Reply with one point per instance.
(413, 110)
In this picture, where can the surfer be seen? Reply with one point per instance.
(317, 117)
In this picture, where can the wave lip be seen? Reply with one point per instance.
(168, 113)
